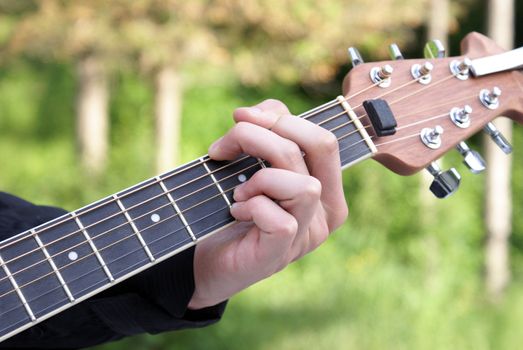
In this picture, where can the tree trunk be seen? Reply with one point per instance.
(437, 23)
(91, 113)
(498, 198)
(438, 26)
(168, 106)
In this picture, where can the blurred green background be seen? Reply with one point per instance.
(398, 275)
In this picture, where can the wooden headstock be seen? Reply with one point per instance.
(417, 106)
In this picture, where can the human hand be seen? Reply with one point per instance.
(293, 205)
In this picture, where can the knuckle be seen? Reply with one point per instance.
(313, 188)
(288, 227)
(291, 153)
(328, 142)
(259, 176)
(256, 202)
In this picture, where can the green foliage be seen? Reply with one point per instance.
(391, 277)
(284, 40)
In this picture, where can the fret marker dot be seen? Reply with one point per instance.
(72, 256)
(242, 178)
(155, 218)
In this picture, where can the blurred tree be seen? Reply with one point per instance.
(75, 32)
(162, 37)
(437, 28)
(264, 40)
(438, 21)
(498, 198)
(306, 41)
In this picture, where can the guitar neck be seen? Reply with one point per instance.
(48, 268)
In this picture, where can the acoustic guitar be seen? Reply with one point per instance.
(403, 113)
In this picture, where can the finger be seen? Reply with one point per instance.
(273, 110)
(320, 147)
(298, 194)
(261, 143)
(277, 228)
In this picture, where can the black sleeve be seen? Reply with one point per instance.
(153, 301)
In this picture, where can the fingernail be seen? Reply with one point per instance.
(234, 208)
(215, 145)
(237, 192)
(255, 111)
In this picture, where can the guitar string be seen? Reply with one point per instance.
(161, 194)
(140, 248)
(125, 238)
(206, 175)
(132, 235)
(133, 251)
(304, 115)
(156, 182)
(310, 115)
(173, 216)
(314, 112)
(149, 212)
(125, 223)
(146, 261)
(127, 268)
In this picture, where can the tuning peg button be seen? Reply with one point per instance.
(461, 116)
(461, 69)
(434, 49)
(445, 182)
(472, 159)
(381, 75)
(421, 72)
(395, 52)
(355, 56)
(490, 99)
(431, 137)
(498, 138)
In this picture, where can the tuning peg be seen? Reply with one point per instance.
(490, 98)
(498, 138)
(445, 182)
(434, 49)
(395, 52)
(461, 69)
(354, 56)
(472, 159)
(421, 72)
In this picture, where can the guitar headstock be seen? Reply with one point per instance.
(446, 108)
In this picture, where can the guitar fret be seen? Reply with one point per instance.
(135, 229)
(53, 265)
(262, 164)
(93, 247)
(17, 289)
(176, 208)
(215, 182)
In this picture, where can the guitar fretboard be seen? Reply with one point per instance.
(48, 268)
